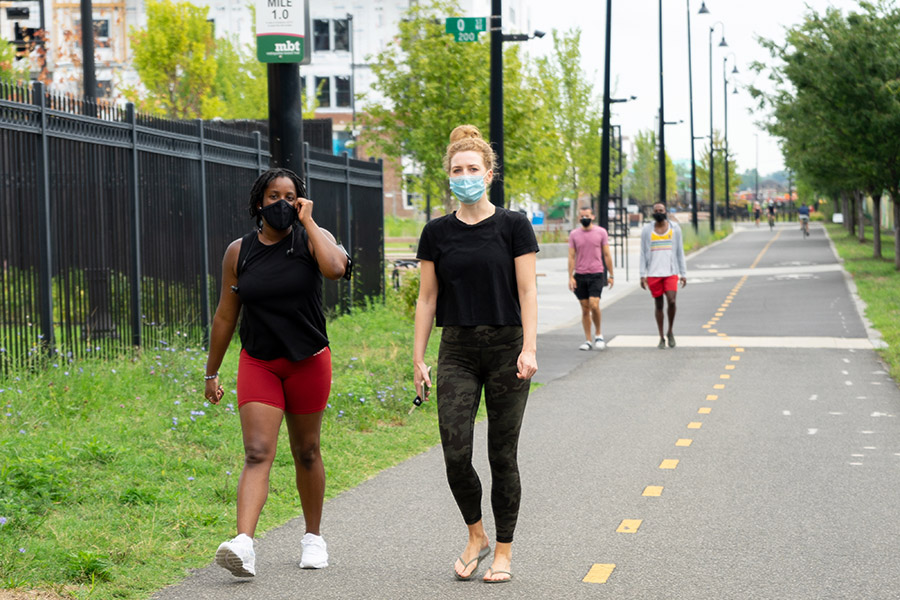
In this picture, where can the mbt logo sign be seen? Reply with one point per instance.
(288, 47)
(281, 28)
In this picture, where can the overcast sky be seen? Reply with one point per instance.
(635, 62)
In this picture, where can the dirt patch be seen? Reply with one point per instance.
(29, 595)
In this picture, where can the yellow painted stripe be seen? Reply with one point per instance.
(719, 386)
(704, 411)
(669, 463)
(729, 367)
(707, 326)
(599, 573)
(763, 251)
(724, 376)
(721, 313)
(695, 425)
(712, 397)
(738, 349)
(629, 526)
(714, 320)
(735, 358)
(713, 330)
(653, 490)
(684, 442)
(723, 335)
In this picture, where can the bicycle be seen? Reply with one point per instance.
(771, 222)
(804, 225)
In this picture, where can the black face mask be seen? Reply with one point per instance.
(586, 221)
(279, 215)
(660, 217)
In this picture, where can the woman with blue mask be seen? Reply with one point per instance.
(478, 283)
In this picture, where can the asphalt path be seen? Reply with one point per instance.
(776, 423)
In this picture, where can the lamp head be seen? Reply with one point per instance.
(723, 43)
(539, 34)
(703, 10)
(734, 71)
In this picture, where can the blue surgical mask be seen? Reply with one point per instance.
(468, 188)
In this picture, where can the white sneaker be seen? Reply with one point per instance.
(237, 556)
(585, 346)
(315, 553)
(599, 344)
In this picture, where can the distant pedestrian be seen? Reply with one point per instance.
(275, 275)
(661, 266)
(757, 211)
(588, 251)
(478, 282)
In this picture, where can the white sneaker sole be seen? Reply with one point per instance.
(228, 559)
(316, 565)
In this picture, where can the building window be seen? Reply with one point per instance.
(342, 91)
(303, 93)
(341, 35)
(323, 91)
(321, 35)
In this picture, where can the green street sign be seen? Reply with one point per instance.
(465, 29)
(282, 31)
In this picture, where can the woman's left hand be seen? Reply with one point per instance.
(527, 364)
(304, 210)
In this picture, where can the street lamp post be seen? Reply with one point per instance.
(604, 143)
(712, 140)
(756, 135)
(662, 118)
(703, 10)
(725, 86)
(352, 76)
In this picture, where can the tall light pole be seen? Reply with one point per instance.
(662, 117)
(604, 143)
(352, 77)
(712, 140)
(725, 86)
(703, 10)
(756, 135)
(496, 25)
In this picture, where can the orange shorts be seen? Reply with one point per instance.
(659, 285)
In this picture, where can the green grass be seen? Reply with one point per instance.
(878, 283)
(703, 237)
(117, 477)
(400, 227)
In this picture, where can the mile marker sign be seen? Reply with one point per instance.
(465, 29)
(282, 31)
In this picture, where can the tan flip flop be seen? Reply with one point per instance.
(481, 556)
(493, 572)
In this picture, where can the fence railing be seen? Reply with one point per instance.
(113, 224)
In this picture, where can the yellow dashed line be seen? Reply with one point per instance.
(713, 330)
(669, 463)
(720, 314)
(738, 349)
(712, 397)
(719, 386)
(684, 443)
(704, 411)
(629, 526)
(729, 367)
(724, 376)
(707, 326)
(695, 425)
(723, 335)
(735, 358)
(654, 491)
(599, 573)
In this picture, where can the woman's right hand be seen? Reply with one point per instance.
(421, 375)
(214, 390)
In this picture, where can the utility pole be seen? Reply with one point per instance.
(496, 25)
(662, 120)
(89, 75)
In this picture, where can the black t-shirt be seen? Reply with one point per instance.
(281, 295)
(475, 267)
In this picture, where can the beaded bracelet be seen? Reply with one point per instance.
(208, 377)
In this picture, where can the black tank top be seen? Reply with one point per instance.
(281, 292)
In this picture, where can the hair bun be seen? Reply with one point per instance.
(463, 132)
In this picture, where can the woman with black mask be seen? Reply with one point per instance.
(275, 275)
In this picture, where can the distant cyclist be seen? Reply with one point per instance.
(772, 211)
(803, 213)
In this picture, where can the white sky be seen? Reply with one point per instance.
(635, 63)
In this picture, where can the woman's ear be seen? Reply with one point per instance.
(489, 177)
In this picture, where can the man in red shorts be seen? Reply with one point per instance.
(662, 265)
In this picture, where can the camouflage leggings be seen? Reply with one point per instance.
(472, 359)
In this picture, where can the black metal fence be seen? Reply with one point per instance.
(113, 224)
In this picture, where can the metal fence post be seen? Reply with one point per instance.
(45, 286)
(259, 153)
(204, 217)
(133, 174)
(349, 221)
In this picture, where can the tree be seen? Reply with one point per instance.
(175, 57)
(12, 70)
(836, 104)
(644, 178)
(734, 180)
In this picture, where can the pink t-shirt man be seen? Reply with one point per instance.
(588, 245)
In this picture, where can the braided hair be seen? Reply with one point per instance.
(262, 182)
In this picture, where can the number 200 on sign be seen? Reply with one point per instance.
(466, 37)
